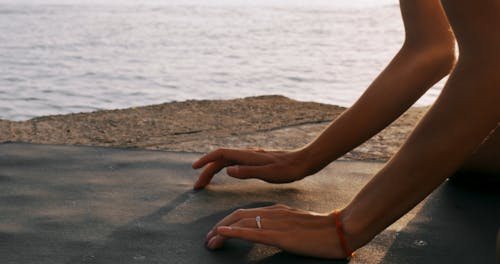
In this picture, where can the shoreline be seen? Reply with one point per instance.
(269, 122)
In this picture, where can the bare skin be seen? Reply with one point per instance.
(459, 132)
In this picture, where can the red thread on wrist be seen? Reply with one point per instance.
(340, 233)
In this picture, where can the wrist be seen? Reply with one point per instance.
(299, 161)
(312, 159)
(355, 234)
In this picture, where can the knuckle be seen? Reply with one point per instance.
(239, 212)
(218, 151)
(282, 211)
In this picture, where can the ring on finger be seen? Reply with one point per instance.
(257, 220)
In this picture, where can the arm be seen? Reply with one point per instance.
(457, 123)
(427, 56)
(463, 116)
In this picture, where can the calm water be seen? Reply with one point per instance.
(82, 56)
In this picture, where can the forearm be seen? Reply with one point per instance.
(466, 112)
(406, 78)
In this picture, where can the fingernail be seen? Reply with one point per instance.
(211, 243)
(209, 234)
(224, 228)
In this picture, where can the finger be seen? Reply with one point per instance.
(273, 173)
(266, 223)
(232, 218)
(217, 240)
(214, 239)
(265, 212)
(209, 172)
(235, 155)
(247, 172)
(263, 236)
(278, 206)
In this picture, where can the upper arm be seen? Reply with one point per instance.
(426, 24)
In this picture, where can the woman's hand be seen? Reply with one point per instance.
(293, 230)
(270, 166)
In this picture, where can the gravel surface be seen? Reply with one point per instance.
(274, 122)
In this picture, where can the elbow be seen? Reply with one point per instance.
(440, 58)
(443, 59)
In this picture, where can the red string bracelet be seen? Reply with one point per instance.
(340, 233)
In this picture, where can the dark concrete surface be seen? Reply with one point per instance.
(457, 224)
(70, 204)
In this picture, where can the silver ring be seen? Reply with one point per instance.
(257, 219)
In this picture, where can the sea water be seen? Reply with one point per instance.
(61, 56)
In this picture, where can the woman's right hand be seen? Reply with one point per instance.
(269, 166)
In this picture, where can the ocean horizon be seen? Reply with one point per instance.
(59, 57)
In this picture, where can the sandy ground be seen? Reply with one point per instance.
(273, 122)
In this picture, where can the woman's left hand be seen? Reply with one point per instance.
(293, 230)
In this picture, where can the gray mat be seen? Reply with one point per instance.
(69, 204)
